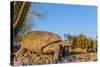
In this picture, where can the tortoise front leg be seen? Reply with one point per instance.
(55, 49)
(56, 52)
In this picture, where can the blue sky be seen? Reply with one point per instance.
(65, 18)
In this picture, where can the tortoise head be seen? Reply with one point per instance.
(68, 42)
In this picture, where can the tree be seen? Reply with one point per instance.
(83, 42)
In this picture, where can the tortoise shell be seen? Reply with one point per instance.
(36, 40)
